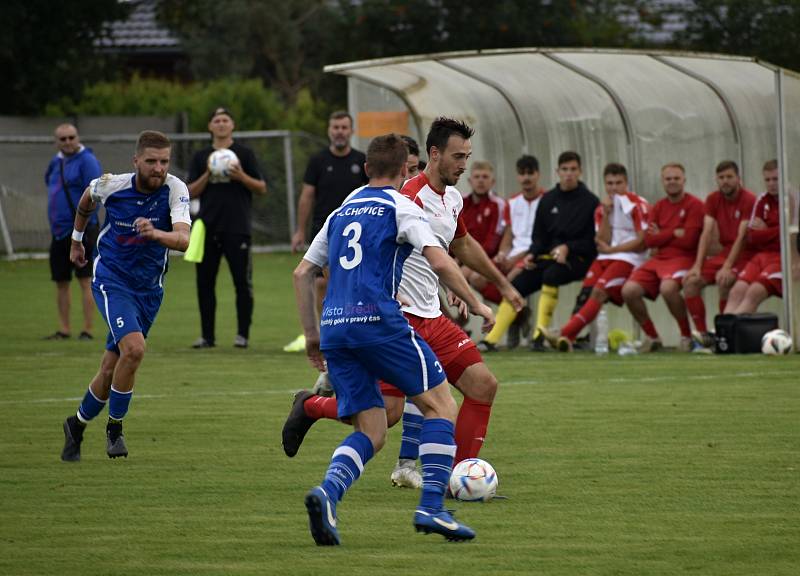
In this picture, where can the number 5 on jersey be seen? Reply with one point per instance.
(352, 244)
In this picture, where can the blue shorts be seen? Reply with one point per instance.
(407, 362)
(125, 311)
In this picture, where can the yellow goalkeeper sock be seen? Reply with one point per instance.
(548, 300)
(505, 316)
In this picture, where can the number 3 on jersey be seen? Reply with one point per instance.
(352, 244)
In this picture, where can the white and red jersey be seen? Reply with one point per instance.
(520, 215)
(419, 286)
(767, 239)
(627, 219)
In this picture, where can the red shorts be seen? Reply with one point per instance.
(609, 276)
(650, 274)
(765, 268)
(713, 264)
(455, 350)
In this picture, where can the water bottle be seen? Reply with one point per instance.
(601, 342)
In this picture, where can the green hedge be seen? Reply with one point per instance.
(254, 106)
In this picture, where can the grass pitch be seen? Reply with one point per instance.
(659, 464)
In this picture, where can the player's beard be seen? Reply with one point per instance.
(447, 178)
(149, 184)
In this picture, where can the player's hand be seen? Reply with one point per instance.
(529, 262)
(560, 253)
(486, 313)
(235, 171)
(607, 203)
(603, 247)
(678, 232)
(456, 302)
(758, 224)
(514, 298)
(693, 271)
(653, 228)
(77, 254)
(145, 228)
(725, 277)
(313, 352)
(298, 241)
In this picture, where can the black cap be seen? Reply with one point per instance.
(219, 110)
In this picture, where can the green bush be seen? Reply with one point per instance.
(254, 106)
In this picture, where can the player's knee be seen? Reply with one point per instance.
(599, 294)
(668, 288)
(394, 409)
(133, 351)
(630, 291)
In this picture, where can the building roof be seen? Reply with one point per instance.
(140, 32)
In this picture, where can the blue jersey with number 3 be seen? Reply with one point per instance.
(364, 243)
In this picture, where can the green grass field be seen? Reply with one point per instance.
(658, 464)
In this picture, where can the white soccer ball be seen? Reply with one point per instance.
(220, 162)
(473, 480)
(776, 342)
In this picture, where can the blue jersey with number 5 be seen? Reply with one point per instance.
(364, 243)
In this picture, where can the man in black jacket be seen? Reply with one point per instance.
(562, 249)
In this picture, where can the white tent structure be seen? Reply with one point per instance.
(639, 108)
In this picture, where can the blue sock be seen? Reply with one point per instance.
(90, 406)
(118, 404)
(412, 428)
(436, 451)
(347, 464)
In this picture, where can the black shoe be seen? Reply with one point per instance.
(485, 347)
(202, 343)
(537, 344)
(57, 335)
(73, 436)
(85, 336)
(520, 326)
(115, 440)
(297, 424)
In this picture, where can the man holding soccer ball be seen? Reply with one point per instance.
(226, 202)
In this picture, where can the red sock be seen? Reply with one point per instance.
(491, 293)
(321, 407)
(686, 330)
(585, 315)
(471, 425)
(650, 329)
(722, 303)
(697, 310)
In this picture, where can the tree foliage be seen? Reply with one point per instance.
(254, 106)
(767, 29)
(47, 50)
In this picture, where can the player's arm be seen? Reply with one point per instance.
(303, 280)
(177, 239)
(725, 275)
(448, 272)
(470, 253)
(255, 185)
(702, 245)
(86, 206)
(501, 258)
(304, 207)
(603, 235)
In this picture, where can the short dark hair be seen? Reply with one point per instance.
(442, 128)
(770, 165)
(527, 163)
(411, 144)
(727, 165)
(339, 114)
(152, 139)
(569, 156)
(386, 156)
(616, 169)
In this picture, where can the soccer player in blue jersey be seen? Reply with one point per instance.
(365, 337)
(147, 214)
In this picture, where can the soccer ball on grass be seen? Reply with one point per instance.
(776, 342)
(473, 480)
